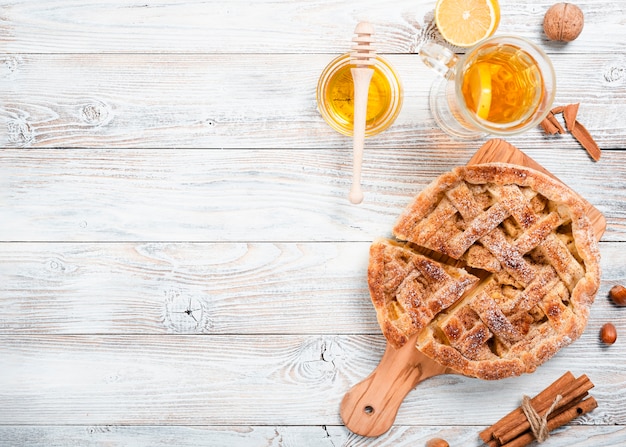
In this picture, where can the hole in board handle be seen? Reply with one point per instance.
(368, 409)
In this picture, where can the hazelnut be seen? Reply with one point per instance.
(437, 442)
(618, 295)
(563, 21)
(608, 334)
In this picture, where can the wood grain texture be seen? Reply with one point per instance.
(202, 101)
(255, 380)
(205, 288)
(244, 195)
(185, 288)
(167, 436)
(284, 436)
(77, 26)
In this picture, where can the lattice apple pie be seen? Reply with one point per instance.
(494, 266)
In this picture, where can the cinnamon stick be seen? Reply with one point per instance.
(552, 118)
(557, 421)
(551, 125)
(517, 415)
(548, 124)
(569, 115)
(572, 393)
(586, 140)
(548, 127)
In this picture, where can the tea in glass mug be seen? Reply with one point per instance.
(504, 85)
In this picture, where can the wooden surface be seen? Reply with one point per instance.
(179, 263)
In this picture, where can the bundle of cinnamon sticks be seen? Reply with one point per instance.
(562, 401)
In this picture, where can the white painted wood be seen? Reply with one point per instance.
(285, 436)
(206, 288)
(258, 380)
(248, 195)
(179, 264)
(189, 288)
(284, 26)
(167, 436)
(203, 101)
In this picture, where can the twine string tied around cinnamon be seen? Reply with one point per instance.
(538, 423)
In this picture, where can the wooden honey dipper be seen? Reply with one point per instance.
(363, 56)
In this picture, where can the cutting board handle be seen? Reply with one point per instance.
(369, 408)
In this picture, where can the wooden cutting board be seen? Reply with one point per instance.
(369, 408)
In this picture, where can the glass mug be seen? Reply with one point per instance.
(504, 85)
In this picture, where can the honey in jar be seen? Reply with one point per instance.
(335, 96)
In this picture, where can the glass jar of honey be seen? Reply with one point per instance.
(335, 96)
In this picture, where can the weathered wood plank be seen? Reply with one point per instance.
(215, 101)
(195, 288)
(244, 195)
(147, 288)
(257, 380)
(285, 26)
(167, 436)
(299, 436)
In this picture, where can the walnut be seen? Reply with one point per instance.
(563, 21)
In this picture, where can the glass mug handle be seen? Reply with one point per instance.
(443, 104)
(439, 58)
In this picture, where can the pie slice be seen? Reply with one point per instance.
(521, 270)
(409, 290)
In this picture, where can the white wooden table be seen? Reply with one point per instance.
(179, 263)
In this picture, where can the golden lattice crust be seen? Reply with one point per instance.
(530, 271)
(409, 289)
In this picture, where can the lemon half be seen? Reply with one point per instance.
(465, 22)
